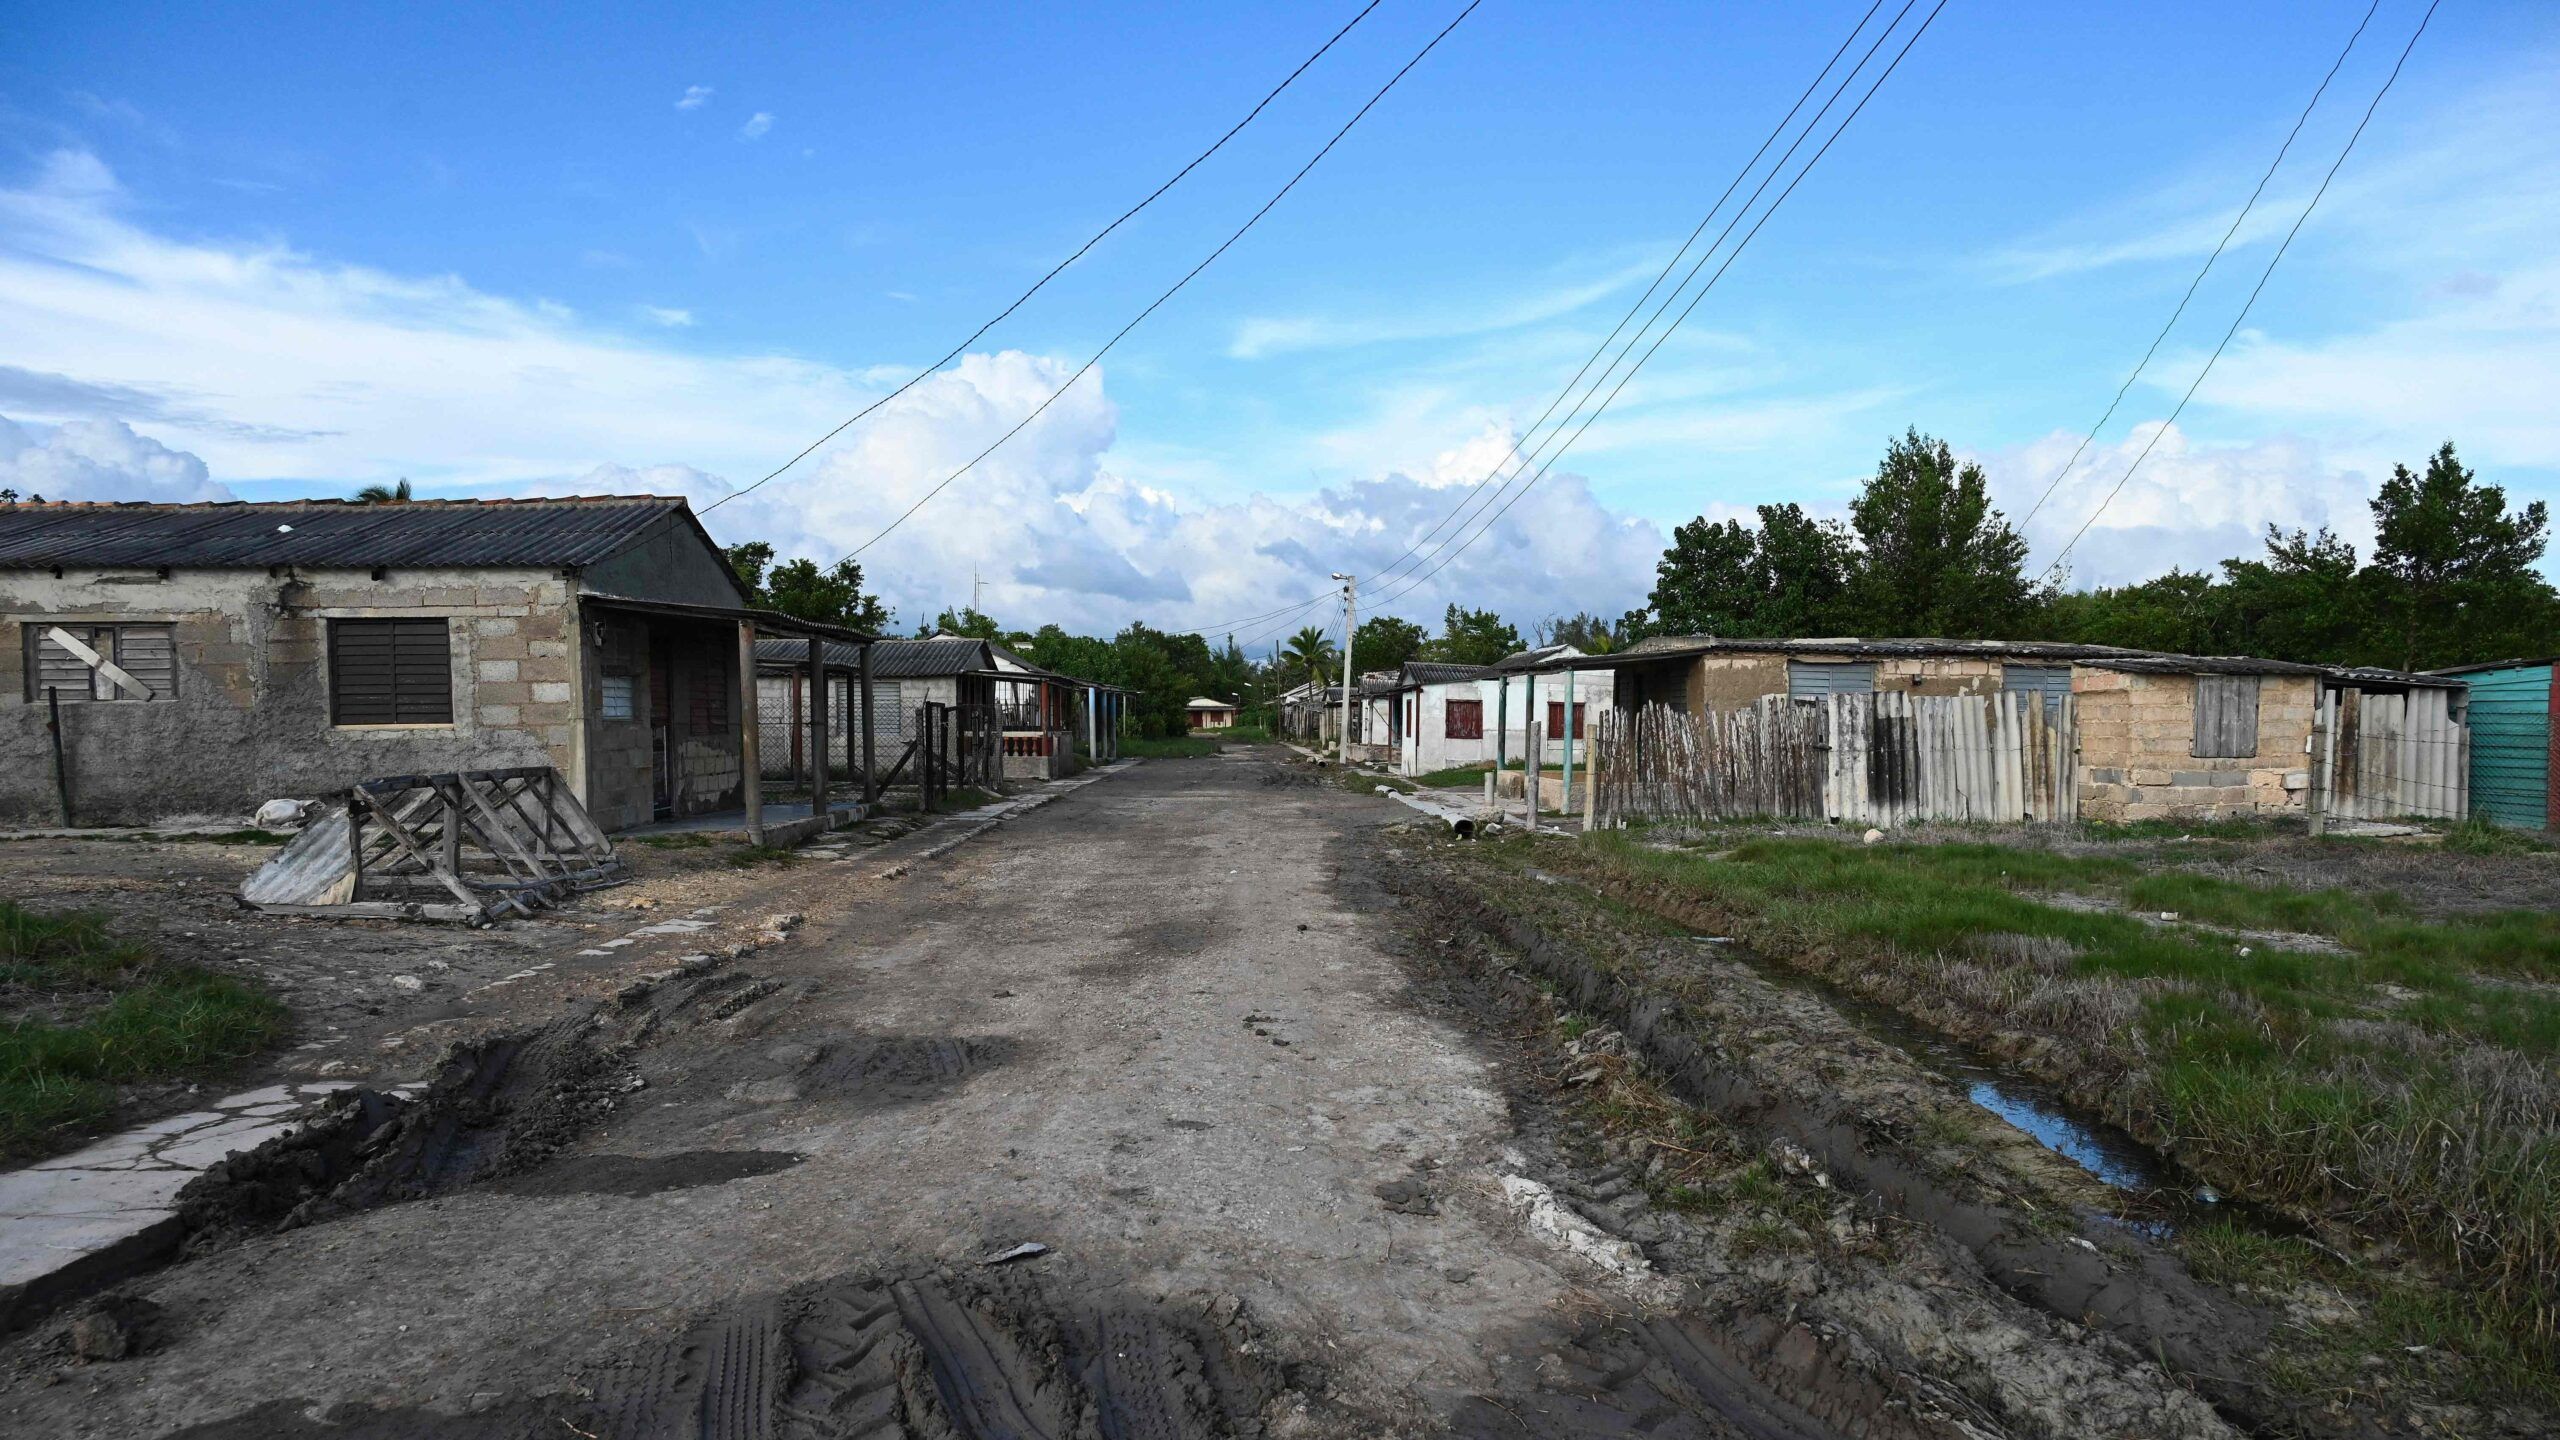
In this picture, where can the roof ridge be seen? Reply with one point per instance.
(340, 502)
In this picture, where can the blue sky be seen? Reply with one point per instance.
(267, 251)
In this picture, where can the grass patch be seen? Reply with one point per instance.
(2406, 1086)
(967, 797)
(2482, 837)
(82, 1011)
(751, 856)
(681, 840)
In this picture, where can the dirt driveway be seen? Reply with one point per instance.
(1164, 1028)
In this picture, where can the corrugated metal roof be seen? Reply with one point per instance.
(241, 535)
(1434, 672)
(923, 659)
(2104, 657)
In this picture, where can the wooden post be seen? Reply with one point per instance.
(1535, 775)
(1501, 723)
(61, 770)
(1590, 800)
(355, 848)
(870, 756)
(1570, 695)
(750, 733)
(817, 727)
(2316, 756)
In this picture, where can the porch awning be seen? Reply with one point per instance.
(769, 621)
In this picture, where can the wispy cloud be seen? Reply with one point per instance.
(668, 315)
(1260, 337)
(694, 97)
(758, 125)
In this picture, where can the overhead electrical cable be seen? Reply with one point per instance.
(1177, 286)
(1701, 295)
(1668, 300)
(1632, 310)
(2193, 285)
(2263, 276)
(1055, 270)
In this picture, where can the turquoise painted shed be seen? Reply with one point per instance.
(2515, 759)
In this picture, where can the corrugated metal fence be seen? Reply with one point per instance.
(1872, 759)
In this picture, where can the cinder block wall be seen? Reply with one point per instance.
(250, 718)
(2137, 749)
(1938, 675)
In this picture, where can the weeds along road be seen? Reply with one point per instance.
(1168, 1028)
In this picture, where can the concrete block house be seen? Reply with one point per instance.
(204, 658)
(2158, 735)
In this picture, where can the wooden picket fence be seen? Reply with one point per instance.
(1879, 759)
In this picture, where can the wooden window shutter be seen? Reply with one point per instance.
(390, 672)
(1465, 720)
(143, 652)
(2226, 717)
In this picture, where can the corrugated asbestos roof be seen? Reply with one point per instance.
(1433, 672)
(924, 659)
(2103, 657)
(325, 533)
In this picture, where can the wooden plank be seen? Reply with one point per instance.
(382, 814)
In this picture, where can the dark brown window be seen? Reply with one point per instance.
(1466, 720)
(81, 663)
(390, 672)
(1555, 719)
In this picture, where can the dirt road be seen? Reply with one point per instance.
(1166, 1028)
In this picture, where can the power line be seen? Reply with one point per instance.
(1177, 286)
(1667, 267)
(1709, 254)
(2192, 285)
(2263, 276)
(1054, 271)
(1632, 310)
(1701, 295)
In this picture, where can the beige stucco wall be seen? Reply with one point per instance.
(1734, 682)
(2137, 749)
(1938, 675)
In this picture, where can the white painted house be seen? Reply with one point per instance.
(1443, 716)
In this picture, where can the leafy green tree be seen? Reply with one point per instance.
(2305, 600)
(1786, 578)
(967, 620)
(799, 588)
(1385, 642)
(1583, 631)
(1934, 557)
(2460, 564)
(1471, 637)
(748, 562)
(2181, 611)
(378, 494)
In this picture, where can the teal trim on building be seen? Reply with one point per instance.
(2511, 751)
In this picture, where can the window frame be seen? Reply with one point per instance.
(1452, 708)
(35, 634)
(336, 671)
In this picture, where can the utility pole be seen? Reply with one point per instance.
(1350, 626)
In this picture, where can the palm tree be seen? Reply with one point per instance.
(384, 494)
(1311, 653)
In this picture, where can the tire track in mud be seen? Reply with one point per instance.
(929, 1356)
(2125, 1287)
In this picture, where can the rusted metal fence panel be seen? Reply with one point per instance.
(1882, 759)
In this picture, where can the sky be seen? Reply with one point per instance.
(256, 251)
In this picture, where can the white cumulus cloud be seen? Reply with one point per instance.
(694, 97)
(99, 460)
(757, 127)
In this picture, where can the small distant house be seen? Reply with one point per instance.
(1208, 714)
(2158, 735)
(2515, 752)
(206, 657)
(1040, 711)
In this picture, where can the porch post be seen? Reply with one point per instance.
(1501, 722)
(750, 733)
(817, 727)
(870, 770)
(1570, 695)
(1092, 729)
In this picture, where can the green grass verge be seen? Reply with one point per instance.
(111, 1013)
(2408, 1085)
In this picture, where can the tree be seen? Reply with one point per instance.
(1583, 631)
(2305, 600)
(1787, 578)
(800, 589)
(1384, 642)
(1934, 557)
(1472, 637)
(2461, 565)
(384, 494)
(967, 620)
(1310, 655)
